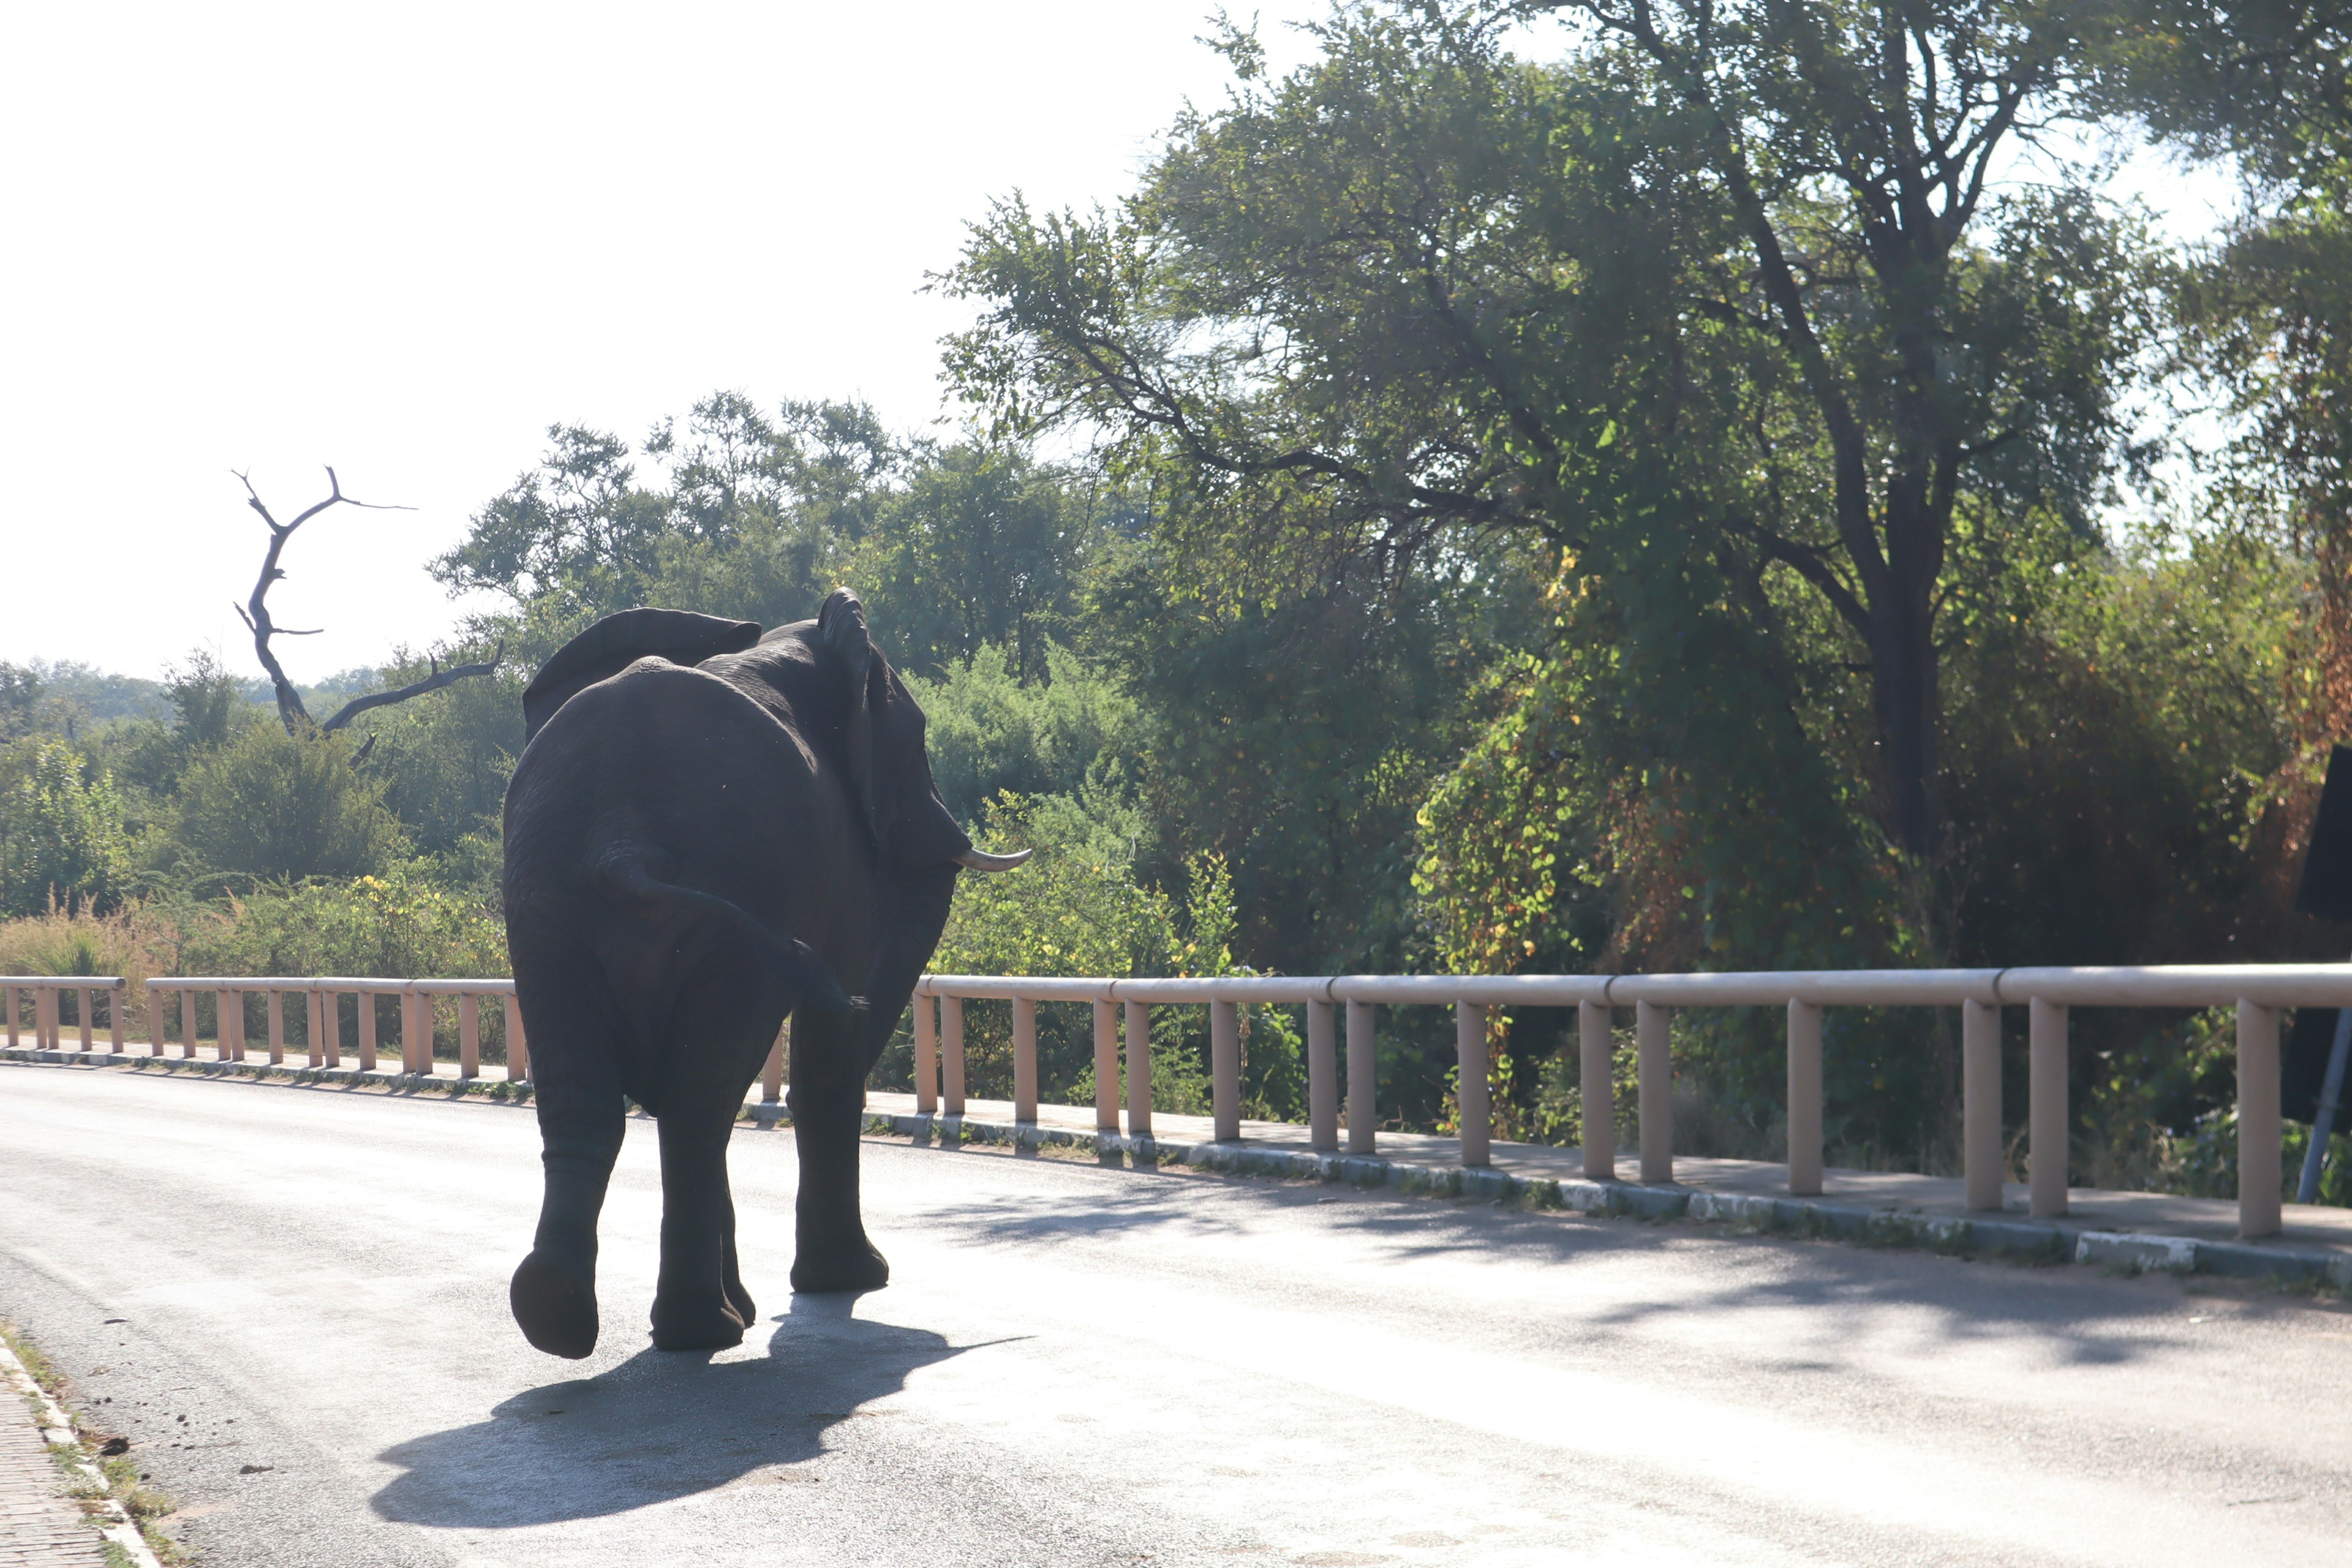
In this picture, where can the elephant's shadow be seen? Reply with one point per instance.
(660, 1425)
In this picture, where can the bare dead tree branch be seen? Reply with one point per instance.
(433, 682)
(254, 614)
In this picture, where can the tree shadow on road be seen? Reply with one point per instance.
(662, 1424)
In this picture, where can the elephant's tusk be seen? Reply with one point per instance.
(981, 860)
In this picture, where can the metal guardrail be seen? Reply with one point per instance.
(1121, 1007)
(321, 1039)
(2256, 991)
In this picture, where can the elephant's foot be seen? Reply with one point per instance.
(711, 1324)
(740, 1302)
(555, 1309)
(852, 1265)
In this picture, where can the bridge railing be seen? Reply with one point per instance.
(44, 997)
(322, 1041)
(2257, 992)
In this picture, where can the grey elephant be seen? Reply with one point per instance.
(709, 829)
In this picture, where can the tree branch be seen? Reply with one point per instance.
(433, 682)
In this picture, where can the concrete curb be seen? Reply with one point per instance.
(111, 1521)
(348, 1078)
(2039, 1240)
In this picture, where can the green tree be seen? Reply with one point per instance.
(61, 833)
(270, 804)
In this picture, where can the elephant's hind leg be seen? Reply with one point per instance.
(694, 1310)
(828, 1099)
(577, 1088)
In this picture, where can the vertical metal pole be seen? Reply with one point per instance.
(228, 1013)
(420, 1007)
(1596, 1076)
(951, 1053)
(2261, 1170)
(156, 1022)
(83, 997)
(1322, 1078)
(1471, 1091)
(365, 1004)
(8, 993)
(45, 1017)
(188, 1025)
(518, 1046)
(1364, 1069)
(2046, 1111)
(1804, 1098)
(1138, 1070)
(469, 1036)
(314, 1012)
(1106, 1021)
(1981, 1104)
(927, 1054)
(276, 1009)
(1654, 1065)
(1476, 1114)
(114, 1041)
(772, 1072)
(1025, 1059)
(1225, 1071)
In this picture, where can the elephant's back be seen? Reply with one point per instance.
(682, 763)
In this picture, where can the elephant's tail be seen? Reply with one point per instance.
(811, 980)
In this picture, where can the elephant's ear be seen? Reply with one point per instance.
(842, 632)
(615, 643)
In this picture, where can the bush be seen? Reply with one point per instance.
(268, 804)
(61, 833)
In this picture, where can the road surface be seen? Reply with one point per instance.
(1081, 1365)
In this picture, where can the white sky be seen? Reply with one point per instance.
(404, 239)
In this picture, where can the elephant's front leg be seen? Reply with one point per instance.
(828, 1099)
(694, 1309)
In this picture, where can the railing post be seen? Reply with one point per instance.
(114, 1041)
(1138, 1070)
(83, 1000)
(772, 1071)
(469, 1036)
(1652, 1037)
(314, 1008)
(276, 1009)
(952, 1054)
(927, 1054)
(1106, 1020)
(2046, 1111)
(518, 1047)
(154, 1020)
(1476, 1113)
(1322, 1078)
(1981, 1104)
(45, 1017)
(363, 1021)
(2260, 1170)
(188, 1025)
(420, 1053)
(1597, 1089)
(1804, 1098)
(8, 993)
(1025, 1059)
(1225, 1071)
(1363, 1069)
(228, 1006)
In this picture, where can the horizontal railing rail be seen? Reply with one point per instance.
(1121, 1006)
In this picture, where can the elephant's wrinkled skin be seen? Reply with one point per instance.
(707, 827)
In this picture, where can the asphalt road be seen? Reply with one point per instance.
(1080, 1365)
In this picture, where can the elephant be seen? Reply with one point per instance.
(708, 829)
